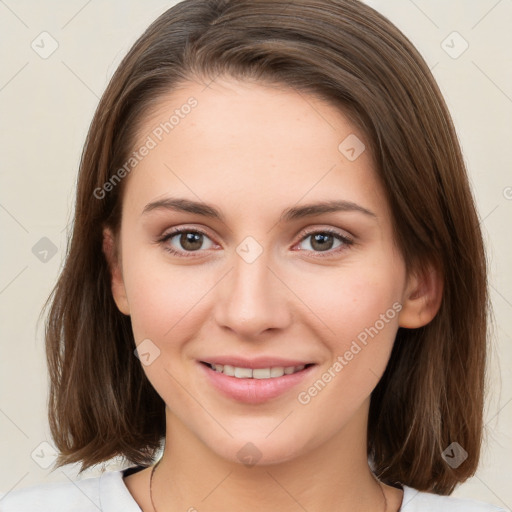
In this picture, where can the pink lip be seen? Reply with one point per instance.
(257, 362)
(254, 391)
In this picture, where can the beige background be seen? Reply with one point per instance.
(47, 104)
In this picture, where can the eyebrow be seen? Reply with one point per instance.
(288, 215)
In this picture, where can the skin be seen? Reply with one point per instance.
(288, 302)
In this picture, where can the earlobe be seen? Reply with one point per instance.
(422, 298)
(116, 279)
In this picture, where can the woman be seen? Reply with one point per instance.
(276, 274)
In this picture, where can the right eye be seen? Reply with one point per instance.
(186, 241)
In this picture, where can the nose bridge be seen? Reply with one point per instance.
(252, 299)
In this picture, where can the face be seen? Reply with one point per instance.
(265, 283)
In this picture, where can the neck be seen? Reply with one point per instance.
(333, 476)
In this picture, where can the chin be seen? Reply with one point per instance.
(258, 451)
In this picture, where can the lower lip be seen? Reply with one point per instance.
(254, 391)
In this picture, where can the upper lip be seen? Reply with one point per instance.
(257, 362)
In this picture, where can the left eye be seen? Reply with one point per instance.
(192, 241)
(322, 241)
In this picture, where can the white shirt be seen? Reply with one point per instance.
(108, 493)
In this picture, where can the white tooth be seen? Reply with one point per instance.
(243, 373)
(258, 373)
(278, 371)
(261, 373)
(229, 370)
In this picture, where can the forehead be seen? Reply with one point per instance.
(251, 143)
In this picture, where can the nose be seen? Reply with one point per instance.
(252, 299)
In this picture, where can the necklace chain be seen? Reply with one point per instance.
(155, 510)
(151, 486)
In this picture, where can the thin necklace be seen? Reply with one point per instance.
(383, 495)
(155, 510)
(151, 486)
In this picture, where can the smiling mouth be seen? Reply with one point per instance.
(256, 373)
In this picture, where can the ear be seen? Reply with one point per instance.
(116, 282)
(422, 298)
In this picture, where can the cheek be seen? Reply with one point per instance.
(348, 300)
(162, 296)
(357, 320)
(364, 321)
(163, 302)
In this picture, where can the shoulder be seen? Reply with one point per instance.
(107, 493)
(417, 501)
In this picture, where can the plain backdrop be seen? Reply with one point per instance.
(57, 58)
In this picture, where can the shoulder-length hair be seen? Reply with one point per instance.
(101, 404)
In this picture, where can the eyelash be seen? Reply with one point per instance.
(347, 242)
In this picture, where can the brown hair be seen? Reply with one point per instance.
(101, 404)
